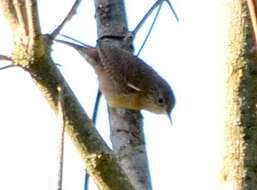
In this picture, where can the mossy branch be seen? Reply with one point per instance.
(32, 53)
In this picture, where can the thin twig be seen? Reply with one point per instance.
(75, 40)
(172, 9)
(149, 12)
(5, 58)
(62, 129)
(140, 24)
(86, 180)
(151, 28)
(94, 117)
(8, 66)
(96, 106)
(71, 13)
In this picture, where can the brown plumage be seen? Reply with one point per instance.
(126, 81)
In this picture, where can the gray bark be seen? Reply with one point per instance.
(126, 125)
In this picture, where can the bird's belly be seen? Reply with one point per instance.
(124, 101)
(116, 98)
(115, 93)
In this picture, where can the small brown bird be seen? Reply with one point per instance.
(126, 81)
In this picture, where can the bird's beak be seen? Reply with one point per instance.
(169, 116)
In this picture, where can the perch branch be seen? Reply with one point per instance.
(100, 160)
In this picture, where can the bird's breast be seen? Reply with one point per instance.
(117, 94)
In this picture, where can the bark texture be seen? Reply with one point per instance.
(32, 53)
(126, 125)
(240, 131)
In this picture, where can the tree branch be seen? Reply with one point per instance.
(240, 124)
(5, 58)
(10, 13)
(126, 125)
(69, 16)
(101, 163)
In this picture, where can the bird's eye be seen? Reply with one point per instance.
(160, 101)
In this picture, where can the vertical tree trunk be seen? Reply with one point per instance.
(126, 126)
(239, 170)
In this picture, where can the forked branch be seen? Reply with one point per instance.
(32, 54)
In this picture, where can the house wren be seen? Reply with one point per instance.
(126, 81)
